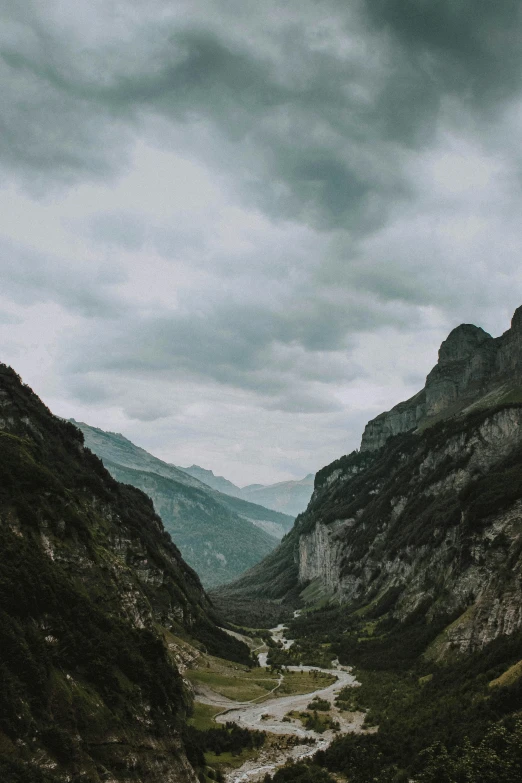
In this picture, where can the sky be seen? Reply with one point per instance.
(235, 231)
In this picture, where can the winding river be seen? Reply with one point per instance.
(269, 715)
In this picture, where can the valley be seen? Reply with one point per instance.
(274, 701)
(387, 622)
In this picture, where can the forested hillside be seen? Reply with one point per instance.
(89, 584)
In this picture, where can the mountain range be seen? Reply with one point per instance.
(289, 497)
(220, 536)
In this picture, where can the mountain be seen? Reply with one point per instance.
(219, 536)
(289, 497)
(407, 566)
(91, 587)
(220, 483)
(426, 519)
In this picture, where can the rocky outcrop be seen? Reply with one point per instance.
(472, 367)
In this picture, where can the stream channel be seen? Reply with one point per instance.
(269, 715)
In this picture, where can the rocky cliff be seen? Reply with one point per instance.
(90, 583)
(433, 523)
(473, 370)
(425, 520)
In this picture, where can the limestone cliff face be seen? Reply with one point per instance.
(432, 521)
(473, 368)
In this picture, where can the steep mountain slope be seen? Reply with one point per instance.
(426, 520)
(89, 583)
(292, 497)
(219, 536)
(217, 543)
(289, 497)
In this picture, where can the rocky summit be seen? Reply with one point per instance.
(474, 370)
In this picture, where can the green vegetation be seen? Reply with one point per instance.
(214, 531)
(243, 686)
(242, 611)
(217, 542)
(312, 721)
(212, 750)
(241, 683)
(318, 704)
(304, 682)
(303, 652)
(203, 715)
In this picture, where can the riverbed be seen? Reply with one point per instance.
(269, 715)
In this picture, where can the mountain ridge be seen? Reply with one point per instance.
(473, 369)
(288, 497)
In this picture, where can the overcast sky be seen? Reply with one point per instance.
(235, 231)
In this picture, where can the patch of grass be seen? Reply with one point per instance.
(304, 682)
(314, 595)
(509, 677)
(241, 686)
(229, 760)
(203, 716)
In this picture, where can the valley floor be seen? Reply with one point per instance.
(223, 695)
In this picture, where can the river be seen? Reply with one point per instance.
(269, 715)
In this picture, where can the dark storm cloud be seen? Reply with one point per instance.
(468, 46)
(291, 190)
(315, 129)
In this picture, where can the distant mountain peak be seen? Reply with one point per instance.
(212, 480)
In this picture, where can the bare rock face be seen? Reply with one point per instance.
(464, 367)
(433, 520)
(402, 418)
(471, 365)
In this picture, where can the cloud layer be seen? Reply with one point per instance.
(235, 234)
